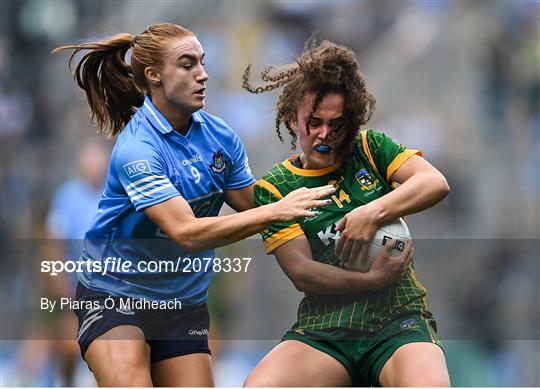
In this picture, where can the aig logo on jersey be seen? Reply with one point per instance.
(366, 180)
(137, 167)
(218, 165)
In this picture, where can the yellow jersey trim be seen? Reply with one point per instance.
(400, 160)
(269, 187)
(283, 236)
(307, 172)
(365, 146)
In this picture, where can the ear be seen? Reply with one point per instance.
(152, 76)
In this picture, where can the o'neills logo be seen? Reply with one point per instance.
(194, 158)
(204, 331)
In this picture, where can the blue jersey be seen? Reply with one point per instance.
(152, 163)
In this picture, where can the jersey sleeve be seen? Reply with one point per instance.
(142, 173)
(240, 174)
(278, 233)
(385, 154)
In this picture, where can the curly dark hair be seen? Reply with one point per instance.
(322, 68)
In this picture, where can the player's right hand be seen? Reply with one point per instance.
(387, 269)
(303, 202)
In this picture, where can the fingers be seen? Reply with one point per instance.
(355, 250)
(408, 247)
(313, 193)
(323, 191)
(388, 246)
(319, 203)
(346, 251)
(409, 259)
(311, 197)
(303, 202)
(404, 257)
(385, 253)
(308, 213)
(339, 245)
(409, 254)
(365, 252)
(341, 224)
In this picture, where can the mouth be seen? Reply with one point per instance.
(200, 92)
(323, 149)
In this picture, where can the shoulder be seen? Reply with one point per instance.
(377, 138)
(370, 136)
(278, 181)
(210, 119)
(277, 174)
(217, 125)
(138, 129)
(134, 148)
(371, 141)
(138, 135)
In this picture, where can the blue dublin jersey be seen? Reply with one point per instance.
(152, 163)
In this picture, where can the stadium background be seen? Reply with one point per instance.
(458, 79)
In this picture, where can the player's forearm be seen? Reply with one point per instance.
(419, 192)
(210, 232)
(321, 278)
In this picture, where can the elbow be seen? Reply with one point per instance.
(187, 245)
(185, 241)
(191, 246)
(443, 187)
(298, 278)
(300, 286)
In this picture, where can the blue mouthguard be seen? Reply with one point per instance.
(323, 148)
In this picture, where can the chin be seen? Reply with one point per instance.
(198, 106)
(320, 162)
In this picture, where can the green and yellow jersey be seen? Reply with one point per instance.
(362, 178)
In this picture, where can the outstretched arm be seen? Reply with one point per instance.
(177, 220)
(241, 199)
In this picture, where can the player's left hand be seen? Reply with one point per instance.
(357, 229)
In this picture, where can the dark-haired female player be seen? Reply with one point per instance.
(172, 167)
(354, 328)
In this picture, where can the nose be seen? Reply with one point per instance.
(202, 76)
(324, 131)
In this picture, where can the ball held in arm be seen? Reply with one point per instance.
(396, 230)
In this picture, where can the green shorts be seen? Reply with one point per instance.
(364, 354)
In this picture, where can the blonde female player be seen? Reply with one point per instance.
(172, 167)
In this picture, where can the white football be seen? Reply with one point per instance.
(397, 230)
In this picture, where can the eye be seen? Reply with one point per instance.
(187, 66)
(337, 124)
(203, 63)
(314, 122)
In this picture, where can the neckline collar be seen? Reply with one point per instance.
(159, 121)
(309, 172)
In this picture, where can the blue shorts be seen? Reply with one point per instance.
(169, 331)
